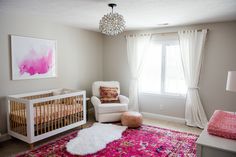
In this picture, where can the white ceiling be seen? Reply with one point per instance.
(137, 13)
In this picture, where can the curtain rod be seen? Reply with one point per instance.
(174, 32)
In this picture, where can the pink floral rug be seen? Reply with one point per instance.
(146, 141)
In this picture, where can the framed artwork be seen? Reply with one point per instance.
(33, 58)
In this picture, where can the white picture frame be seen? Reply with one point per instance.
(33, 58)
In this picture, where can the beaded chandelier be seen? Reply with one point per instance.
(112, 23)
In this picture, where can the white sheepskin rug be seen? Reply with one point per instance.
(95, 138)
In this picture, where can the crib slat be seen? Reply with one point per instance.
(40, 116)
(25, 120)
(82, 112)
(16, 111)
(79, 99)
(61, 113)
(78, 105)
(56, 115)
(66, 102)
(17, 128)
(14, 117)
(36, 119)
(48, 124)
(51, 115)
(20, 119)
(73, 110)
(66, 110)
(76, 109)
(44, 116)
(70, 109)
(64, 106)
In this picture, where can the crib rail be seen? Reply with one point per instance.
(38, 96)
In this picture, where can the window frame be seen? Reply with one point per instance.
(164, 43)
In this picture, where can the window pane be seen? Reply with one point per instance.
(150, 79)
(174, 77)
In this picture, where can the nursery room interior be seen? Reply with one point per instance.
(118, 78)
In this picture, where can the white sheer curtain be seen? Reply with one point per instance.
(191, 47)
(136, 47)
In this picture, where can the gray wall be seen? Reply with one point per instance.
(79, 57)
(219, 57)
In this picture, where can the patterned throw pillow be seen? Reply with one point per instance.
(109, 95)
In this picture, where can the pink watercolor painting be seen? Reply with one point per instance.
(33, 58)
(35, 63)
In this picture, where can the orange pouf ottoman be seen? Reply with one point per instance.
(131, 119)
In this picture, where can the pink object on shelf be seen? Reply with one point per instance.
(223, 124)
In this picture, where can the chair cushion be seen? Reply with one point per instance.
(112, 107)
(109, 95)
(96, 86)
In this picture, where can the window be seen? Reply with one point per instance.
(162, 70)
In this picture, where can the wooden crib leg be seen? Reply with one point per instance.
(81, 127)
(31, 145)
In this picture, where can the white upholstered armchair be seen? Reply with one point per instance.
(109, 112)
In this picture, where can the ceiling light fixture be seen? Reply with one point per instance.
(112, 23)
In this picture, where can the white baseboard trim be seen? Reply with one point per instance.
(163, 117)
(4, 137)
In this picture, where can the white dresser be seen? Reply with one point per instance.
(214, 146)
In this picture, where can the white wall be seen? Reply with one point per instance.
(79, 57)
(219, 57)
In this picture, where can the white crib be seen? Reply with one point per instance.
(35, 116)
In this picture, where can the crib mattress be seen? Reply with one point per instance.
(47, 113)
(223, 124)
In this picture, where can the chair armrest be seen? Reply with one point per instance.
(95, 101)
(123, 99)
